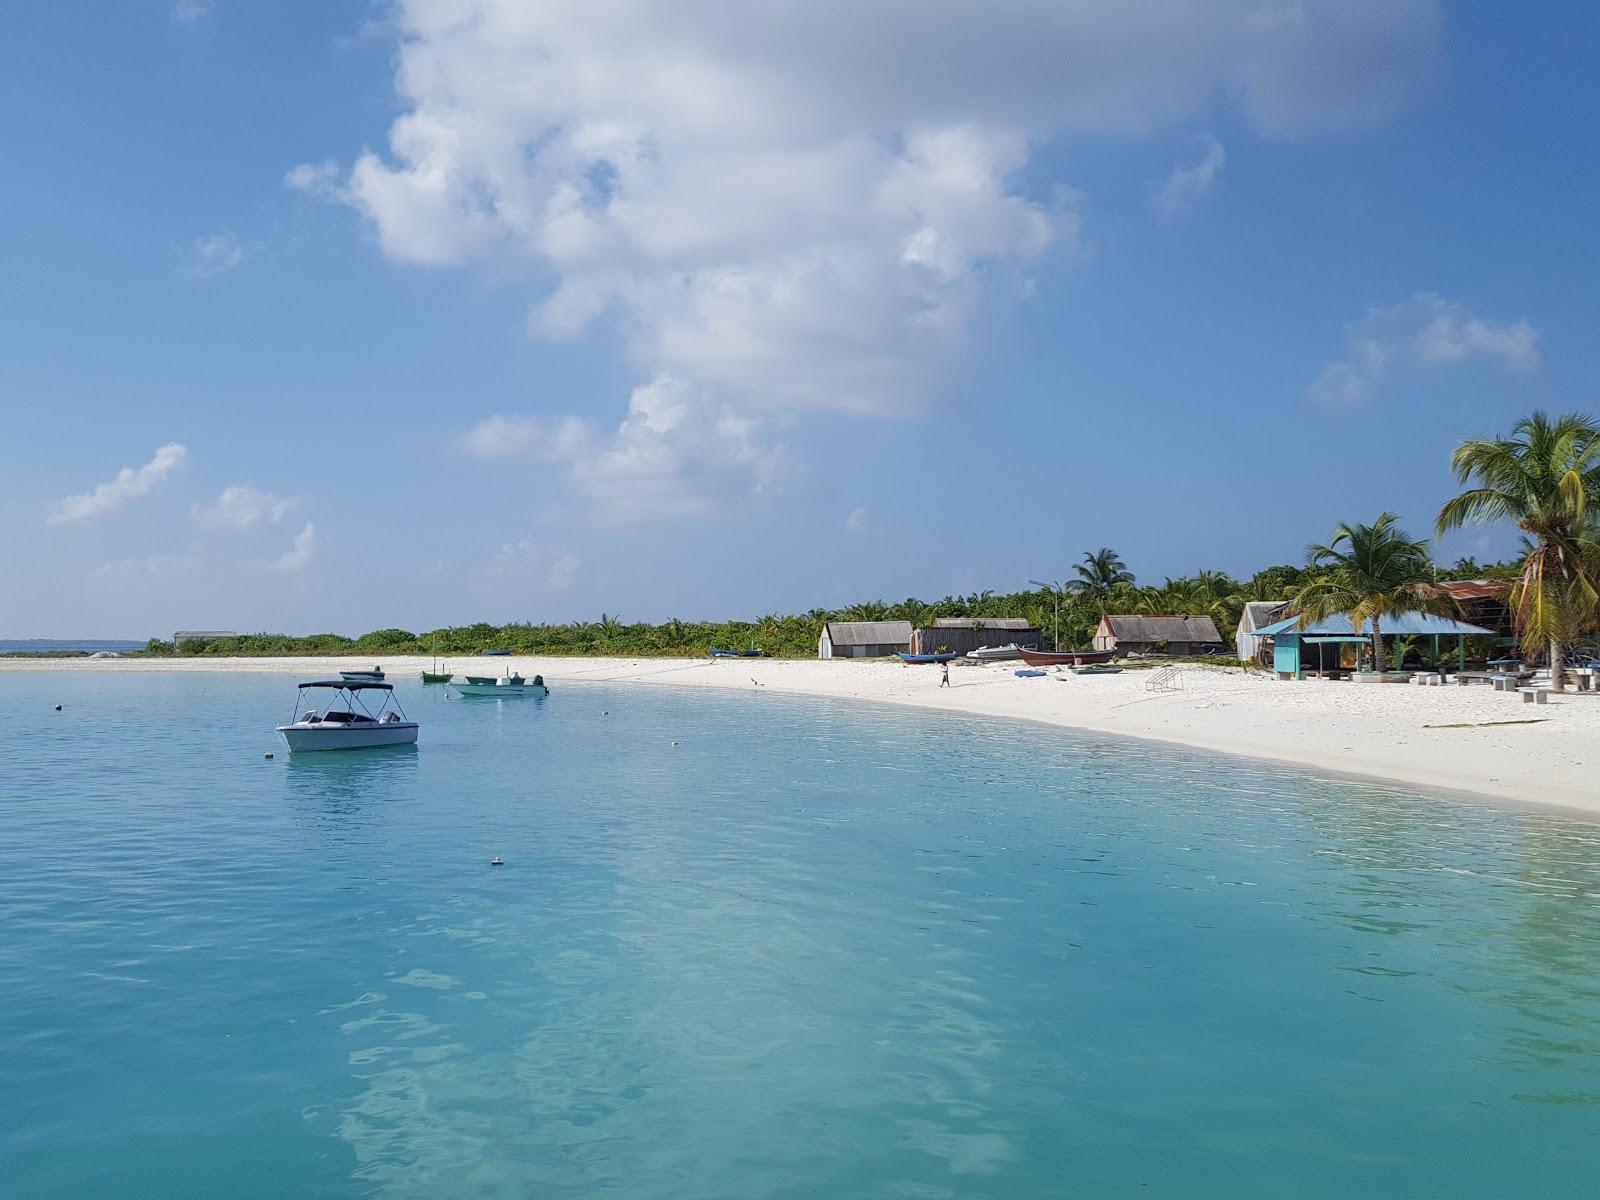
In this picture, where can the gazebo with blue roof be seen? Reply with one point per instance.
(1288, 636)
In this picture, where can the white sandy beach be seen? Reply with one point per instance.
(1381, 731)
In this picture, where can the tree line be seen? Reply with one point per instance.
(1539, 478)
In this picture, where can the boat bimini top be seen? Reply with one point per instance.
(386, 715)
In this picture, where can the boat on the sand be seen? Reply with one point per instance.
(1065, 658)
(354, 726)
(995, 653)
(917, 659)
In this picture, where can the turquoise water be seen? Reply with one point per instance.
(811, 950)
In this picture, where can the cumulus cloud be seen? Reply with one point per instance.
(1185, 185)
(1425, 331)
(241, 508)
(791, 209)
(555, 566)
(130, 483)
(528, 437)
(301, 553)
(215, 254)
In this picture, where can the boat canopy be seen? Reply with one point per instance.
(351, 685)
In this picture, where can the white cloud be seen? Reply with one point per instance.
(792, 209)
(241, 508)
(299, 556)
(1184, 186)
(190, 12)
(677, 454)
(527, 437)
(857, 521)
(556, 566)
(130, 483)
(215, 254)
(1423, 332)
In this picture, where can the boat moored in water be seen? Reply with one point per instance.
(373, 676)
(505, 685)
(352, 727)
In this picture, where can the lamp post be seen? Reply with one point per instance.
(1055, 589)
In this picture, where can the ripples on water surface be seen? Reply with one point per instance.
(812, 950)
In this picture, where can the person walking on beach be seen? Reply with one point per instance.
(945, 667)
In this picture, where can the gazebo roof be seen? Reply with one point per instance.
(1401, 624)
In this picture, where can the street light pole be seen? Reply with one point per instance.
(1055, 589)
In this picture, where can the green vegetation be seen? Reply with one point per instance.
(1541, 478)
(1368, 572)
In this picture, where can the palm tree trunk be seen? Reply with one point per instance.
(1377, 647)
(1558, 669)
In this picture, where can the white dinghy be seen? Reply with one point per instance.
(347, 723)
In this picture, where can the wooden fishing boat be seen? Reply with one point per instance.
(1065, 658)
(909, 659)
(436, 675)
(1097, 670)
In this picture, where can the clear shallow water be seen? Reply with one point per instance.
(814, 949)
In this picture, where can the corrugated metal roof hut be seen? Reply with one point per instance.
(863, 639)
(1257, 614)
(1174, 635)
(1292, 636)
(1485, 602)
(962, 635)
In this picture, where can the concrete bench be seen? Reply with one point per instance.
(1535, 695)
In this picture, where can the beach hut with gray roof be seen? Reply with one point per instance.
(864, 639)
(1175, 635)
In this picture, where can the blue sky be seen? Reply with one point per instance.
(342, 315)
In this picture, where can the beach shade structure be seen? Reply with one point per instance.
(1290, 639)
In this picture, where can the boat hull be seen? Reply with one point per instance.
(498, 689)
(303, 739)
(361, 676)
(437, 677)
(994, 653)
(916, 659)
(1065, 658)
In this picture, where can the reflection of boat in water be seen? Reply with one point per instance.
(353, 727)
(505, 685)
(1065, 658)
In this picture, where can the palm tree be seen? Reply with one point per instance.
(1368, 572)
(1098, 574)
(1543, 477)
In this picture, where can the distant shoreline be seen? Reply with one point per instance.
(1470, 740)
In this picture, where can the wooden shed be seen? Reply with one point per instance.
(863, 639)
(1179, 636)
(962, 635)
(1257, 614)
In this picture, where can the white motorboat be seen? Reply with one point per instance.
(505, 685)
(995, 653)
(347, 723)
